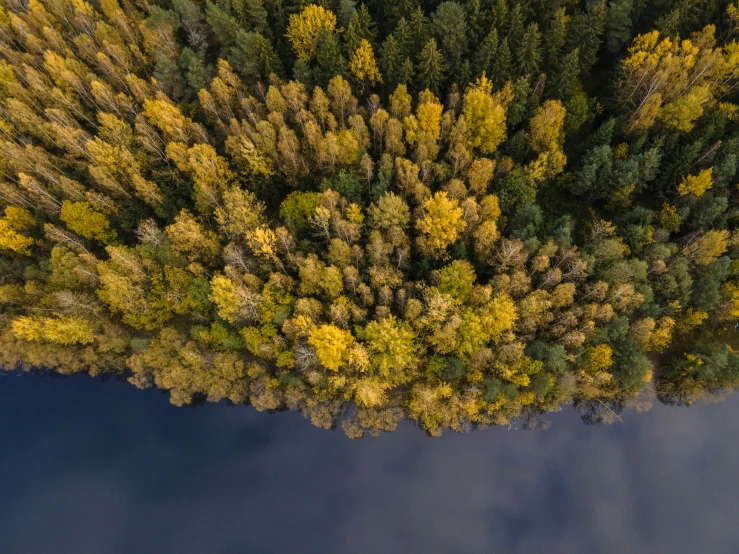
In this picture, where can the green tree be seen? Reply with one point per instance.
(431, 67)
(449, 27)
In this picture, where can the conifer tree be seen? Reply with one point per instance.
(487, 53)
(529, 52)
(431, 67)
(565, 80)
(330, 60)
(361, 27)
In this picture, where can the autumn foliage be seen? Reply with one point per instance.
(456, 214)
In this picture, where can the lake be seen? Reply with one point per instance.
(103, 468)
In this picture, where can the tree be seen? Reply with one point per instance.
(618, 24)
(587, 35)
(449, 27)
(392, 63)
(485, 116)
(253, 57)
(555, 38)
(431, 67)
(487, 53)
(502, 64)
(85, 221)
(392, 348)
(597, 359)
(361, 28)
(16, 221)
(708, 247)
(304, 28)
(190, 238)
(235, 302)
(58, 330)
(529, 53)
(457, 280)
(565, 80)
(254, 14)
(332, 345)
(241, 212)
(697, 185)
(363, 65)
(390, 211)
(545, 128)
(442, 221)
(330, 61)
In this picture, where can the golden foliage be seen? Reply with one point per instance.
(304, 27)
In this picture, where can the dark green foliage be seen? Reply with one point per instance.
(330, 60)
(449, 27)
(253, 58)
(346, 184)
(454, 369)
(431, 67)
(492, 389)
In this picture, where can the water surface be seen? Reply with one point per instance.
(102, 468)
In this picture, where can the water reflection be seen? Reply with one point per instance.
(100, 468)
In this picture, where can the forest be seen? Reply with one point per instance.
(457, 213)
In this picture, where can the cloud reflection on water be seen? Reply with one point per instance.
(102, 468)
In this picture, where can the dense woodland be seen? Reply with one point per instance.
(457, 213)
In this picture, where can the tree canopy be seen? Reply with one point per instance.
(457, 213)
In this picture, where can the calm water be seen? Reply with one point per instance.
(103, 468)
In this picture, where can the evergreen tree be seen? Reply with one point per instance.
(449, 27)
(476, 22)
(419, 30)
(431, 67)
(253, 58)
(618, 24)
(222, 24)
(361, 27)
(502, 64)
(487, 54)
(168, 72)
(515, 27)
(197, 73)
(529, 53)
(555, 38)
(345, 12)
(330, 60)
(405, 37)
(586, 35)
(253, 14)
(565, 81)
(392, 64)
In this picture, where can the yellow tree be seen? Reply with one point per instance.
(485, 116)
(696, 185)
(596, 359)
(392, 347)
(85, 221)
(65, 330)
(363, 64)
(546, 127)
(235, 302)
(190, 238)
(332, 345)
(15, 221)
(442, 221)
(707, 248)
(673, 80)
(304, 27)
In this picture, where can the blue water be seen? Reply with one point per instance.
(102, 468)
